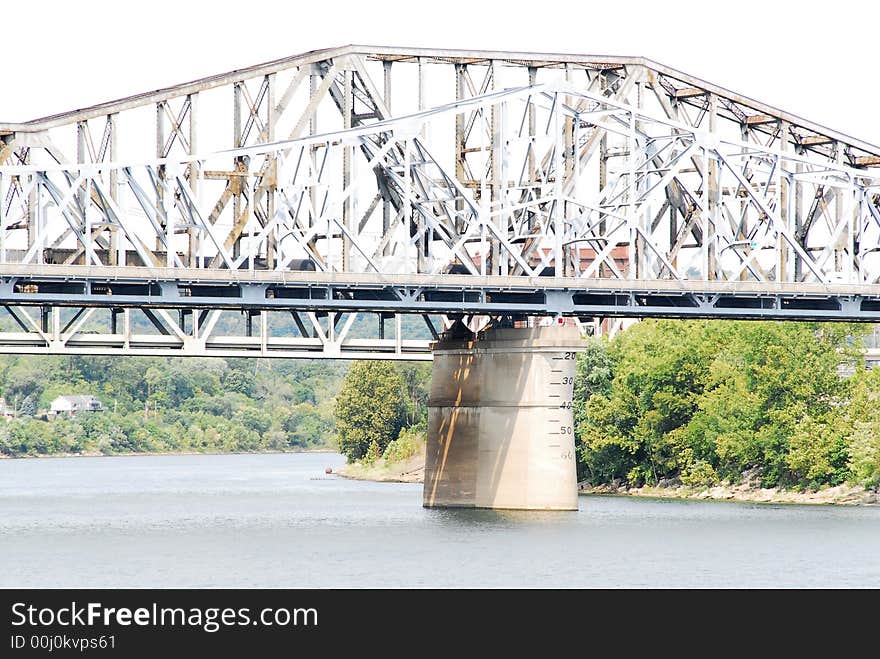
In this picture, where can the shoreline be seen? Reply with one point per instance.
(412, 471)
(839, 495)
(97, 454)
(381, 474)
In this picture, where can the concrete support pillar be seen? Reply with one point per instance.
(500, 423)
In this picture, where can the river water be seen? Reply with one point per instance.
(206, 521)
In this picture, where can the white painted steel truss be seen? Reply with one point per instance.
(604, 188)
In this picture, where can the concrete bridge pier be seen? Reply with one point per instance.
(500, 422)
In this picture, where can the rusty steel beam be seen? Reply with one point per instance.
(689, 92)
(759, 119)
(815, 140)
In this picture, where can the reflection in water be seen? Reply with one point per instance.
(278, 521)
(467, 517)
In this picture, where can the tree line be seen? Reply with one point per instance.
(698, 402)
(169, 404)
(164, 404)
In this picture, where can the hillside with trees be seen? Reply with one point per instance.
(168, 404)
(158, 404)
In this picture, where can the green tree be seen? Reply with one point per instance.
(28, 406)
(706, 400)
(863, 419)
(239, 382)
(306, 425)
(26, 377)
(768, 400)
(153, 378)
(626, 424)
(256, 420)
(369, 408)
(818, 450)
(594, 373)
(417, 383)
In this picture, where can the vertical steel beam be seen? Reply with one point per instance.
(460, 70)
(642, 220)
(784, 193)
(421, 85)
(421, 230)
(81, 128)
(632, 217)
(533, 76)
(558, 220)
(160, 129)
(603, 164)
(237, 182)
(270, 181)
(839, 249)
(36, 214)
(82, 136)
(495, 149)
(714, 197)
(569, 130)
(314, 85)
(386, 202)
(160, 153)
(386, 85)
(117, 248)
(195, 177)
(347, 210)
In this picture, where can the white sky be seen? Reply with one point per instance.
(816, 60)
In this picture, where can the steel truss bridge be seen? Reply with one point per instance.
(403, 185)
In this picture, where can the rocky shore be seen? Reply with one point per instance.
(746, 492)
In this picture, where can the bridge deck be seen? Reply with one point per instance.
(110, 286)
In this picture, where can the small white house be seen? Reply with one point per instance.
(74, 404)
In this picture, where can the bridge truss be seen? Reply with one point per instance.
(402, 184)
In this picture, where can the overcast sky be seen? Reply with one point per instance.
(814, 61)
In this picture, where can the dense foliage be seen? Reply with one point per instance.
(166, 404)
(376, 402)
(207, 405)
(705, 401)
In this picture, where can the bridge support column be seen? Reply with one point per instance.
(500, 422)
